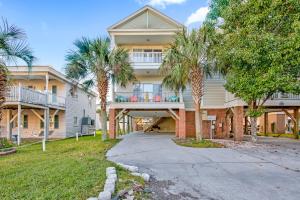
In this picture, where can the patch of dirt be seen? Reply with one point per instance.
(161, 190)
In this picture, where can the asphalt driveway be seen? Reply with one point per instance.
(224, 173)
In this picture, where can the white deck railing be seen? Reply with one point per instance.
(146, 57)
(146, 97)
(285, 96)
(26, 95)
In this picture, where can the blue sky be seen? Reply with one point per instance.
(53, 25)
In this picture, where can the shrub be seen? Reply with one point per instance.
(4, 143)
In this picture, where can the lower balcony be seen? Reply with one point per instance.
(147, 100)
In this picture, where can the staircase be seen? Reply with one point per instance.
(155, 122)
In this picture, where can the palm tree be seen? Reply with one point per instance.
(12, 48)
(95, 63)
(175, 78)
(186, 62)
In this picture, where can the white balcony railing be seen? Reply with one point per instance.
(134, 97)
(56, 100)
(146, 57)
(26, 95)
(285, 96)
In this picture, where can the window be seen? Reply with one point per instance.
(42, 122)
(56, 121)
(75, 121)
(25, 121)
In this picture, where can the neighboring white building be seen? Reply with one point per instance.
(44, 100)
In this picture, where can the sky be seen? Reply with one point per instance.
(53, 25)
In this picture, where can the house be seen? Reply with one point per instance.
(43, 100)
(148, 106)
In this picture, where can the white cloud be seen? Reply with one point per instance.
(161, 3)
(198, 16)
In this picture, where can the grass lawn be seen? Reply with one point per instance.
(67, 170)
(197, 144)
(286, 135)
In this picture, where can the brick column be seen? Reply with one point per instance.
(182, 124)
(112, 123)
(238, 117)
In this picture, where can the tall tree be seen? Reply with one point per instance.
(259, 49)
(95, 63)
(12, 48)
(188, 54)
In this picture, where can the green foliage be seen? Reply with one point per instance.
(259, 49)
(13, 45)
(187, 53)
(93, 59)
(4, 143)
(67, 170)
(197, 144)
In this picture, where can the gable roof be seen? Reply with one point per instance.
(142, 10)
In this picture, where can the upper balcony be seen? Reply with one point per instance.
(17, 94)
(146, 60)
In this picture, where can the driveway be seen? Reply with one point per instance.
(224, 173)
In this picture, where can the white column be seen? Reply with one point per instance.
(8, 115)
(47, 87)
(180, 96)
(19, 123)
(46, 123)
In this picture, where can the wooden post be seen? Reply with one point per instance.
(296, 123)
(123, 124)
(266, 123)
(19, 123)
(128, 124)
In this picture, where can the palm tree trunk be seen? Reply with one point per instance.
(103, 89)
(196, 77)
(198, 122)
(3, 84)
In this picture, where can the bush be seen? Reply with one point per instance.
(4, 143)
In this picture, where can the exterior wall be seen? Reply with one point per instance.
(167, 125)
(214, 93)
(278, 119)
(220, 125)
(75, 107)
(34, 129)
(40, 85)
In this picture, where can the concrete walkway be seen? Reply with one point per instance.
(190, 173)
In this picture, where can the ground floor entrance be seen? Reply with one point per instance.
(181, 122)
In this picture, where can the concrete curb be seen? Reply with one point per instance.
(134, 171)
(109, 186)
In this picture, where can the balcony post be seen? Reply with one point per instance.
(19, 123)
(47, 87)
(19, 92)
(8, 125)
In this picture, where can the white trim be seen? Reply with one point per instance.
(145, 8)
